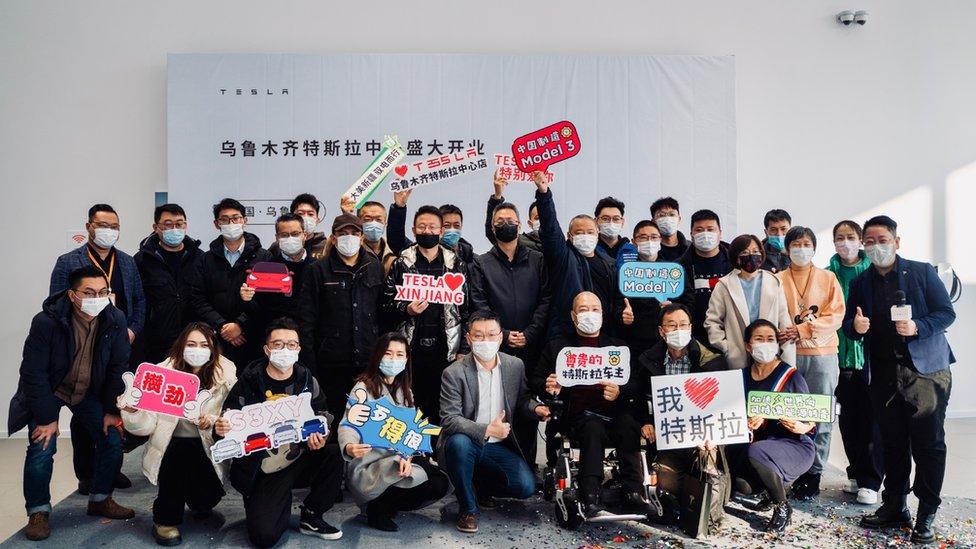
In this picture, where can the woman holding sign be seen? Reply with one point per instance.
(781, 450)
(381, 481)
(177, 457)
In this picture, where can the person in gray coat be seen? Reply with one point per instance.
(381, 481)
(480, 395)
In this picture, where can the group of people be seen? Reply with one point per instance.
(484, 370)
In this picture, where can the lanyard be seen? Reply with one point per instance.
(111, 266)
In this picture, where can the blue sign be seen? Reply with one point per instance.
(382, 424)
(660, 281)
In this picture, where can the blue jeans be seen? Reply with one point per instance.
(40, 462)
(499, 470)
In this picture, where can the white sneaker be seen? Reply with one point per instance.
(867, 496)
(851, 487)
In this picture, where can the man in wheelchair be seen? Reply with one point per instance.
(596, 417)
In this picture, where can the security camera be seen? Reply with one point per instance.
(861, 17)
(846, 17)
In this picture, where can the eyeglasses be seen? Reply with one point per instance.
(173, 225)
(91, 294)
(614, 219)
(105, 225)
(226, 220)
(424, 228)
(671, 326)
(278, 345)
(479, 336)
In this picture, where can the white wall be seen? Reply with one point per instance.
(832, 122)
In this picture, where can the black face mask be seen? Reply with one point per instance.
(428, 241)
(506, 232)
(750, 263)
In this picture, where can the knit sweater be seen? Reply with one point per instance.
(816, 307)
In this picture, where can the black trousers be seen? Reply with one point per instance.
(268, 508)
(594, 435)
(911, 409)
(395, 499)
(186, 478)
(859, 430)
(336, 381)
(428, 365)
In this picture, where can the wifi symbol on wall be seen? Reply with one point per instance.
(79, 238)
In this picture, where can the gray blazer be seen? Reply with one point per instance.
(459, 400)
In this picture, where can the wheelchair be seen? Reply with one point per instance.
(559, 485)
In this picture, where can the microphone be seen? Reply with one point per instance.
(901, 310)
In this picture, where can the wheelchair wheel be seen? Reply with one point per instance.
(548, 484)
(572, 517)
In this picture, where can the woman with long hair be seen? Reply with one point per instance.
(381, 481)
(177, 457)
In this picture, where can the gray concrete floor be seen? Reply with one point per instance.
(830, 522)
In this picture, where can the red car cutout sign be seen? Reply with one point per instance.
(266, 276)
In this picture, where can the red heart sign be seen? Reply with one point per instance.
(401, 170)
(701, 392)
(454, 280)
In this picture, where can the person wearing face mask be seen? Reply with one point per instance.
(910, 378)
(856, 421)
(215, 283)
(381, 482)
(574, 263)
(74, 357)
(639, 318)
(705, 262)
(435, 331)
(776, 224)
(609, 215)
(781, 450)
(815, 301)
(165, 260)
(307, 208)
(177, 457)
(121, 271)
(511, 280)
(745, 295)
(676, 352)
(290, 250)
(452, 224)
(266, 478)
(665, 212)
(338, 311)
(373, 216)
(530, 238)
(481, 396)
(596, 416)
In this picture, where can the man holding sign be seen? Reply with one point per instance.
(595, 417)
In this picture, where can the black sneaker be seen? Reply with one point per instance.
(312, 525)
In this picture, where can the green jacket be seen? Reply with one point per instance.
(850, 354)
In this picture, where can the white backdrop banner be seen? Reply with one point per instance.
(263, 128)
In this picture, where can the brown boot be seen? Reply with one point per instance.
(467, 523)
(109, 509)
(38, 527)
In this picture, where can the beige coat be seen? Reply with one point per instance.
(159, 427)
(728, 316)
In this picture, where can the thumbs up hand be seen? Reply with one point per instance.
(498, 428)
(358, 413)
(861, 323)
(628, 315)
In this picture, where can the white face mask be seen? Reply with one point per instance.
(847, 249)
(373, 230)
(667, 224)
(764, 352)
(589, 322)
(584, 243)
(232, 231)
(678, 339)
(283, 359)
(802, 256)
(106, 238)
(610, 230)
(882, 255)
(649, 248)
(348, 245)
(93, 306)
(309, 223)
(534, 224)
(290, 245)
(196, 356)
(706, 241)
(485, 350)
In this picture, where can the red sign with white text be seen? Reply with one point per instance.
(540, 149)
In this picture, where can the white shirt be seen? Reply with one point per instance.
(490, 402)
